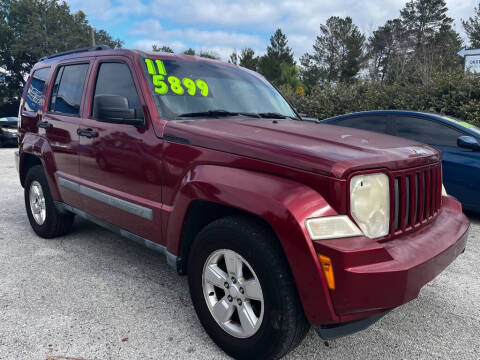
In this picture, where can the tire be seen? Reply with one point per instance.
(279, 318)
(47, 222)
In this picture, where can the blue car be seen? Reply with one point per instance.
(458, 140)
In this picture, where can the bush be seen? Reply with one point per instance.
(453, 94)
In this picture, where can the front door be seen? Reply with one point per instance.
(120, 163)
(461, 175)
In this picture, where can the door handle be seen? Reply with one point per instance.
(88, 133)
(44, 125)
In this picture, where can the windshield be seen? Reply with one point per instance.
(190, 88)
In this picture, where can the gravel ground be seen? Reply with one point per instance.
(94, 295)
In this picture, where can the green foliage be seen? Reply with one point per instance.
(209, 55)
(338, 53)
(278, 53)
(246, 58)
(472, 28)
(189, 51)
(289, 76)
(233, 58)
(450, 93)
(31, 29)
(164, 48)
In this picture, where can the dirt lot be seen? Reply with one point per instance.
(95, 295)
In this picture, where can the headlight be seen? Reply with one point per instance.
(331, 227)
(444, 192)
(370, 203)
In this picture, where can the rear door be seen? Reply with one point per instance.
(60, 124)
(461, 167)
(120, 163)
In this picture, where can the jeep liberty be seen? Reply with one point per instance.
(280, 224)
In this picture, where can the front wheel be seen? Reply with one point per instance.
(44, 218)
(242, 290)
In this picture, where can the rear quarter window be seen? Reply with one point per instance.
(34, 99)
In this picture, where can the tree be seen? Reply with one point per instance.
(386, 51)
(277, 53)
(423, 19)
(189, 51)
(233, 58)
(472, 28)
(31, 29)
(248, 59)
(209, 54)
(338, 53)
(289, 76)
(432, 41)
(164, 48)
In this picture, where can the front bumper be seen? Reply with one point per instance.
(372, 277)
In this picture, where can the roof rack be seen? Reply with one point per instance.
(74, 51)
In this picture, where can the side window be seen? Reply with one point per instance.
(371, 123)
(116, 79)
(426, 131)
(67, 89)
(35, 92)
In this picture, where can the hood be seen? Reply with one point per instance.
(327, 149)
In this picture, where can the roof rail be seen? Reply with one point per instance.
(74, 51)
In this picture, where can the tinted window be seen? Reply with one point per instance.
(34, 97)
(426, 131)
(68, 88)
(371, 123)
(116, 79)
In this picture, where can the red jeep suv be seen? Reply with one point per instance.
(279, 223)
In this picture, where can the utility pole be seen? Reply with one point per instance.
(93, 35)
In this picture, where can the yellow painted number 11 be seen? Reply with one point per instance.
(161, 87)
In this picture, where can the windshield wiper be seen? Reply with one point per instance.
(217, 113)
(274, 115)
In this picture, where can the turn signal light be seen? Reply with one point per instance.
(327, 268)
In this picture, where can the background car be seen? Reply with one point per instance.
(8, 131)
(458, 140)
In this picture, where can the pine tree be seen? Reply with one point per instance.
(233, 58)
(338, 53)
(189, 51)
(278, 53)
(386, 51)
(248, 60)
(472, 28)
(432, 41)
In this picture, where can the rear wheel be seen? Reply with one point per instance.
(44, 217)
(242, 290)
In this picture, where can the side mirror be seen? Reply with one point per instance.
(468, 142)
(114, 109)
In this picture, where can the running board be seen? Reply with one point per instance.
(171, 258)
